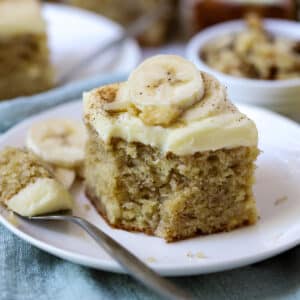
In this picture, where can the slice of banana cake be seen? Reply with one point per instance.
(168, 154)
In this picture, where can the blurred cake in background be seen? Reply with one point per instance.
(126, 11)
(24, 55)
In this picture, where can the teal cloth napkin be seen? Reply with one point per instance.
(27, 273)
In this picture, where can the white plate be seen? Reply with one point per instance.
(75, 33)
(278, 198)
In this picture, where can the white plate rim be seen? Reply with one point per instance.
(163, 269)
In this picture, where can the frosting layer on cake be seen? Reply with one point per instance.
(20, 16)
(210, 123)
(45, 195)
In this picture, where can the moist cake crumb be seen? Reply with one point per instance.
(199, 255)
(174, 197)
(151, 259)
(87, 207)
(189, 254)
(280, 200)
(12, 219)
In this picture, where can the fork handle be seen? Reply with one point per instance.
(132, 264)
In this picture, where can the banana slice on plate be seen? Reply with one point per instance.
(65, 176)
(163, 86)
(58, 141)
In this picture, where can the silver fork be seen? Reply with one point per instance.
(127, 260)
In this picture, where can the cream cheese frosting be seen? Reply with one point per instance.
(212, 123)
(20, 16)
(45, 195)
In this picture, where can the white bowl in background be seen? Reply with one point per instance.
(282, 96)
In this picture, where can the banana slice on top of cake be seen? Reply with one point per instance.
(27, 187)
(168, 154)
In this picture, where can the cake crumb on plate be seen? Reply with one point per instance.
(199, 255)
(11, 218)
(280, 200)
(87, 207)
(151, 259)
